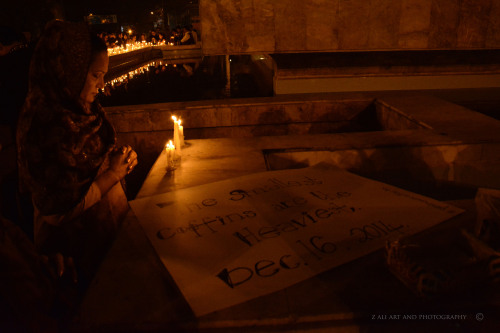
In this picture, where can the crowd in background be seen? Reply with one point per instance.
(177, 36)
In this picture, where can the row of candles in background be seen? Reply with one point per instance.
(134, 46)
(138, 71)
(174, 149)
(130, 74)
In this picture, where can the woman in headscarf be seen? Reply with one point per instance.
(66, 148)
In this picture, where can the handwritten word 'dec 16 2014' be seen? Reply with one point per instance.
(266, 268)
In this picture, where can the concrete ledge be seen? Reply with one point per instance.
(308, 114)
(300, 85)
(379, 130)
(121, 63)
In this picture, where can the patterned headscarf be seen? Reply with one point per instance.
(61, 144)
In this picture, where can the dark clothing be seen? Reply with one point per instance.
(61, 145)
(30, 300)
(14, 68)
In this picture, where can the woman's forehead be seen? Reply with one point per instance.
(100, 62)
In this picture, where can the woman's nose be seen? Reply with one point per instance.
(100, 83)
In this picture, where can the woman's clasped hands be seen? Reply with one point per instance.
(122, 161)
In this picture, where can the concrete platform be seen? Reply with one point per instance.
(421, 140)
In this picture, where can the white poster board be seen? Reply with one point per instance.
(227, 242)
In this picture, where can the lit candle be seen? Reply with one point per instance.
(181, 133)
(170, 149)
(177, 140)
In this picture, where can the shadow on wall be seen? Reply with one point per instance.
(362, 120)
(422, 170)
(417, 170)
(148, 146)
(309, 118)
(275, 121)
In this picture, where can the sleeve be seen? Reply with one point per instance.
(185, 38)
(25, 289)
(91, 198)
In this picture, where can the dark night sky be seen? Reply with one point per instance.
(120, 7)
(31, 15)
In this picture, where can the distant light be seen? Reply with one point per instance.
(152, 13)
(90, 14)
(129, 31)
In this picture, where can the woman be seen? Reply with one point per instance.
(66, 148)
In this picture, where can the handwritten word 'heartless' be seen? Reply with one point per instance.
(266, 268)
(251, 237)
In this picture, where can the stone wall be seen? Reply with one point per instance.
(312, 114)
(370, 132)
(283, 26)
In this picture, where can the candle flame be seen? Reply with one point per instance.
(170, 145)
(174, 118)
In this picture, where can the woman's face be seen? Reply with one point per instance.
(95, 78)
